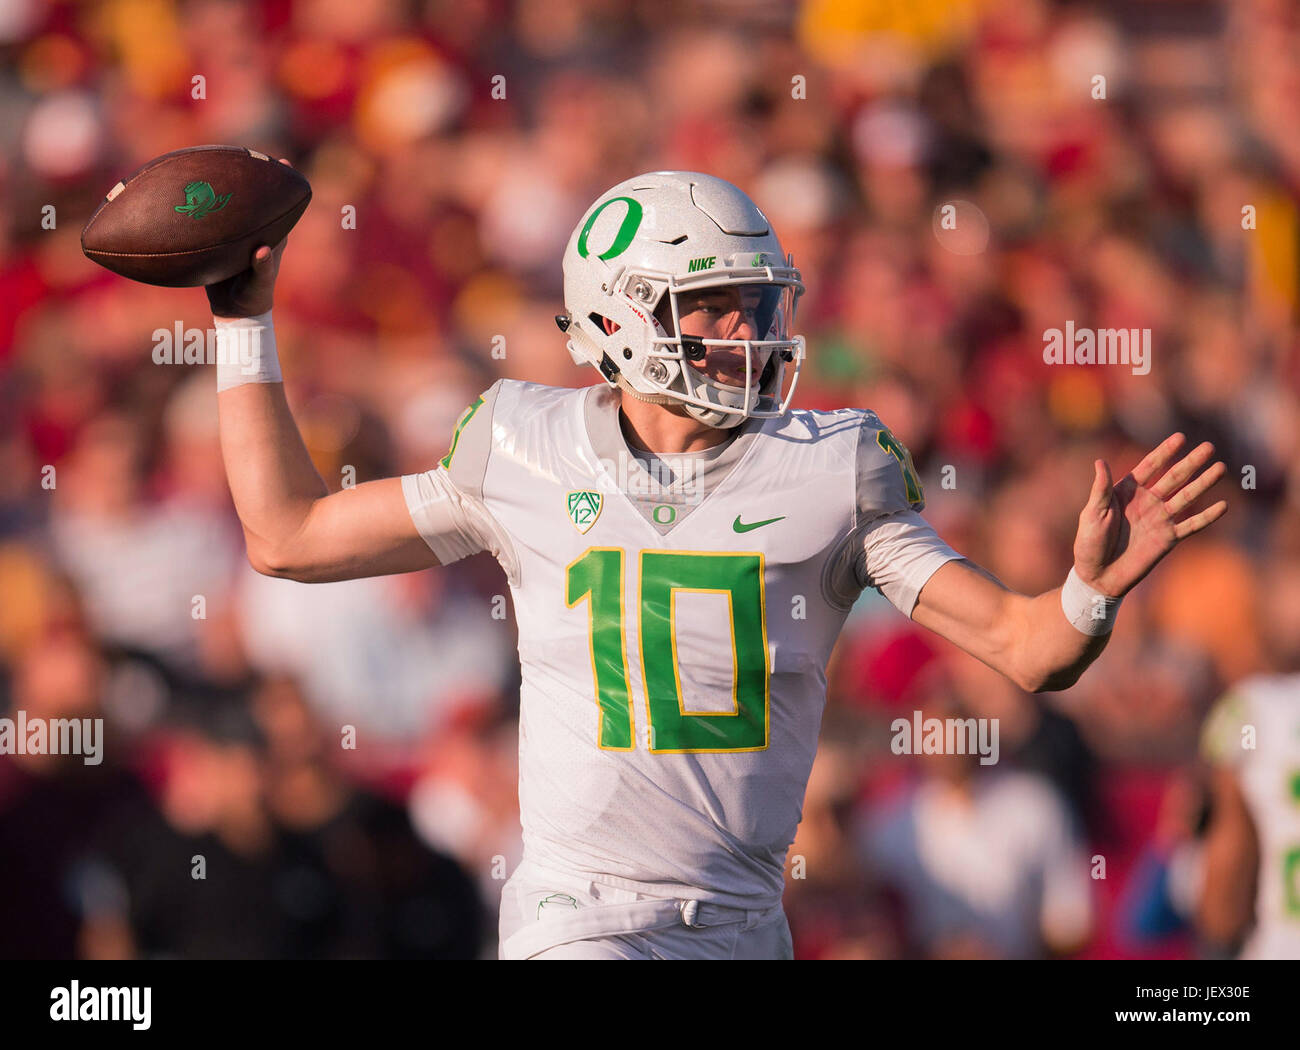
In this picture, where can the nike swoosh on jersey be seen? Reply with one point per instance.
(754, 524)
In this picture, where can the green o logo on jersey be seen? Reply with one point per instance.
(626, 230)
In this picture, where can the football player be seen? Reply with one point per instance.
(1249, 899)
(682, 548)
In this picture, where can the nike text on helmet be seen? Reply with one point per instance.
(672, 233)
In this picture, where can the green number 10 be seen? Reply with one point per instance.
(597, 576)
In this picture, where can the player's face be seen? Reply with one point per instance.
(728, 313)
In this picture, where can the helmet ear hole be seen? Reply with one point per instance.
(604, 324)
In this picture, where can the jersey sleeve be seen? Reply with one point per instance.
(891, 547)
(1221, 733)
(446, 503)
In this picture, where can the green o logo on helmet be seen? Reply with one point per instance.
(626, 231)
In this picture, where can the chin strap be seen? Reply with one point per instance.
(654, 399)
(708, 416)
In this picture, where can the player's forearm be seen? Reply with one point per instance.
(1048, 651)
(1028, 639)
(1226, 907)
(293, 527)
(272, 479)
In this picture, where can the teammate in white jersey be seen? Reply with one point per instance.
(682, 548)
(1249, 895)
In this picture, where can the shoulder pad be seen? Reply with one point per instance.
(887, 480)
(471, 443)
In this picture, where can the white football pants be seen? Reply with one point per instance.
(547, 914)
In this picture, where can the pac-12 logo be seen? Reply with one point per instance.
(584, 509)
(201, 198)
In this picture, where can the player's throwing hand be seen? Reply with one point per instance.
(250, 292)
(1127, 528)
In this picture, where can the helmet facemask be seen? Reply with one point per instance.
(727, 399)
(668, 372)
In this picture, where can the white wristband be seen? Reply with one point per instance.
(246, 351)
(1088, 610)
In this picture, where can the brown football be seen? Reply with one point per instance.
(195, 216)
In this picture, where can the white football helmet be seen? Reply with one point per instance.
(669, 233)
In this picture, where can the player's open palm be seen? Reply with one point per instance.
(1126, 528)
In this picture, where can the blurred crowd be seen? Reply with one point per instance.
(341, 758)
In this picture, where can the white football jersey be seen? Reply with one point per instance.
(676, 614)
(1267, 707)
